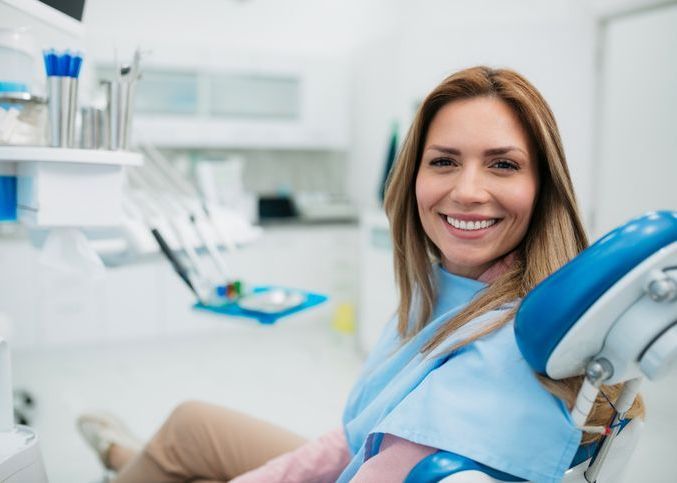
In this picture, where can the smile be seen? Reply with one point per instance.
(470, 225)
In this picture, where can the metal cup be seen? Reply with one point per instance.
(125, 111)
(72, 111)
(110, 138)
(62, 103)
(89, 128)
(124, 116)
(119, 96)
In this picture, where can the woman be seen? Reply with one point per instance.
(481, 208)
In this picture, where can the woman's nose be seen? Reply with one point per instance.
(469, 187)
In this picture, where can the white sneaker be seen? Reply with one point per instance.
(102, 430)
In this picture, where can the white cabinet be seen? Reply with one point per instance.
(299, 106)
(147, 299)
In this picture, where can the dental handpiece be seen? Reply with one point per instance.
(178, 267)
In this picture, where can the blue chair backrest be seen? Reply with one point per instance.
(548, 312)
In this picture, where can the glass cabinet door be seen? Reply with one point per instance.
(254, 96)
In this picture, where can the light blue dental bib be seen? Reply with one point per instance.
(482, 401)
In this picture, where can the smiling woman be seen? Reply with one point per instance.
(482, 186)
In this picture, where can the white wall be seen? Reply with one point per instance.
(637, 163)
(193, 31)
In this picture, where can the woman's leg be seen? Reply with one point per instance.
(118, 456)
(209, 442)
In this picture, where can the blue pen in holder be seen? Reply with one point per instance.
(63, 71)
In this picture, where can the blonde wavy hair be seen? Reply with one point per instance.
(555, 234)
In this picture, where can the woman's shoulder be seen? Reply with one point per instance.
(499, 336)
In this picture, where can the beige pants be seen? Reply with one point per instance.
(204, 442)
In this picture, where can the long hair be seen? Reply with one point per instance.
(555, 234)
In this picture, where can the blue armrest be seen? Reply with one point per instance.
(444, 463)
(549, 311)
(439, 465)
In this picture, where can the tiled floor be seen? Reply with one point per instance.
(296, 374)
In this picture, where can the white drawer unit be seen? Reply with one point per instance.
(68, 187)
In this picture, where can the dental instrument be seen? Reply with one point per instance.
(176, 264)
(167, 207)
(162, 165)
(145, 212)
(153, 202)
(191, 218)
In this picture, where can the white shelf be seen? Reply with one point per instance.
(194, 132)
(17, 154)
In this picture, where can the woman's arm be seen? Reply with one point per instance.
(317, 461)
(396, 458)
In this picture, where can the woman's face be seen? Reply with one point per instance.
(476, 183)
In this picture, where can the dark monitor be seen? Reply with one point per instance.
(72, 8)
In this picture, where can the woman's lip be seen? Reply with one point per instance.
(469, 217)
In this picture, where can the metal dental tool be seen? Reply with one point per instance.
(141, 205)
(159, 162)
(185, 219)
(167, 209)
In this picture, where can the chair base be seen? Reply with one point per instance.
(20, 459)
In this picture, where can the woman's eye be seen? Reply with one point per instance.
(443, 162)
(505, 164)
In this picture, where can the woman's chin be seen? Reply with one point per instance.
(466, 268)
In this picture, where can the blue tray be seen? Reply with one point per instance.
(232, 308)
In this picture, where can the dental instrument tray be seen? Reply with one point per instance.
(267, 304)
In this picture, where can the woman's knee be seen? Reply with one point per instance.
(189, 415)
(177, 447)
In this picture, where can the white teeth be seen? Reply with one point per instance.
(470, 225)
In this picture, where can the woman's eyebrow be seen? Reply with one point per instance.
(503, 150)
(444, 149)
(488, 152)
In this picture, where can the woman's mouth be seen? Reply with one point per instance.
(470, 224)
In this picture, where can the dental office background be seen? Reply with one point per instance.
(260, 103)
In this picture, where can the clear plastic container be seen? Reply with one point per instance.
(23, 119)
(17, 58)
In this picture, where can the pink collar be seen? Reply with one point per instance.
(498, 268)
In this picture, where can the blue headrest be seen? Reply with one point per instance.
(548, 312)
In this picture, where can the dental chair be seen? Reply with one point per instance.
(20, 460)
(609, 314)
